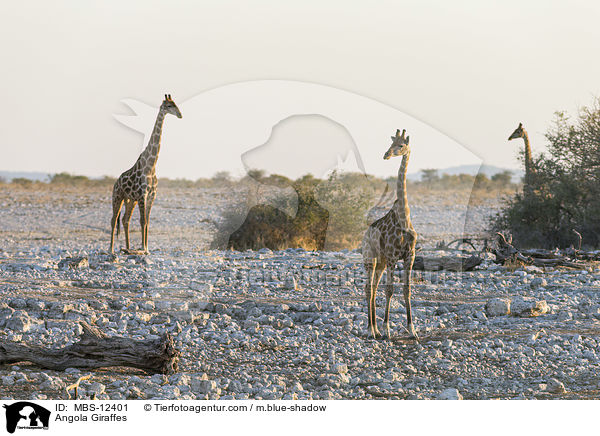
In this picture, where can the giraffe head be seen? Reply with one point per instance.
(170, 107)
(518, 133)
(399, 145)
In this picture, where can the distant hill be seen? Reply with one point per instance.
(488, 170)
(39, 177)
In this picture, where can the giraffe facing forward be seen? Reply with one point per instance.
(388, 240)
(138, 184)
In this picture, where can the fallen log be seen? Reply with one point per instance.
(570, 253)
(95, 349)
(506, 252)
(559, 262)
(542, 254)
(449, 263)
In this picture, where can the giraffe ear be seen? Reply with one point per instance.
(407, 139)
(393, 137)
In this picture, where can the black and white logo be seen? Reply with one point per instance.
(26, 415)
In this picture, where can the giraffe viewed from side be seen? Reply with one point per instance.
(520, 132)
(138, 184)
(388, 240)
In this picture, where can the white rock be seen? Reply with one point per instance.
(95, 388)
(480, 315)
(497, 307)
(340, 368)
(555, 386)
(201, 287)
(147, 305)
(180, 379)
(290, 284)
(54, 384)
(450, 394)
(170, 392)
(20, 321)
(436, 354)
(8, 380)
(538, 281)
(251, 325)
(205, 386)
(159, 379)
(564, 315)
(526, 308)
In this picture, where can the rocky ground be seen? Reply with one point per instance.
(282, 325)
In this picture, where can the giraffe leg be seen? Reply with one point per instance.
(114, 222)
(129, 206)
(389, 291)
(408, 263)
(370, 270)
(149, 204)
(142, 206)
(374, 272)
(379, 269)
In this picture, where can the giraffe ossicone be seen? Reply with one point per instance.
(138, 184)
(389, 239)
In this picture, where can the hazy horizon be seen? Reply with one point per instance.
(412, 175)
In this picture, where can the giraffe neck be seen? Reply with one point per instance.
(528, 159)
(401, 204)
(149, 156)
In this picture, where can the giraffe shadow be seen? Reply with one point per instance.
(395, 339)
(133, 252)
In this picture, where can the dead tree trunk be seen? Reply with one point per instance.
(95, 350)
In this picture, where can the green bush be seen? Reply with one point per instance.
(347, 197)
(503, 179)
(66, 179)
(432, 181)
(430, 176)
(22, 181)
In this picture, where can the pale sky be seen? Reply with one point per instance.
(471, 70)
